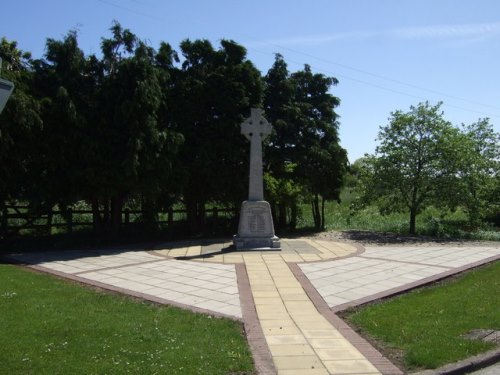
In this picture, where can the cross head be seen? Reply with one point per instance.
(256, 125)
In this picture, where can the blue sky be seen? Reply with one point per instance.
(386, 54)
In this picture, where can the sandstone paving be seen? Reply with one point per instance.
(381, 269)
(300, 339)
(206, 286)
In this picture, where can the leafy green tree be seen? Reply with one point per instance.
(139, 149)
(212, 94)
(106, 130)
(472, 158)
(408, 169)
(282, 188)
(112, 128)
(61, 84)
(284, 193)
(301, 109)
(20, 124)
(322, 162)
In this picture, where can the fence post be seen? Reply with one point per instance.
(70, 220)
(170, 218)
(215, 216)
(127, 216)
(5, 222)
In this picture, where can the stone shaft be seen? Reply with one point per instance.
(256, 129)
(256, 229)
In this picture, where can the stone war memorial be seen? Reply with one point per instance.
(256, 229)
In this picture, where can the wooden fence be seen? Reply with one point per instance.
(16, 219)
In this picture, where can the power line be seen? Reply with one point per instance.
(371, 74)
(132, 10)
(330, 62)
(330, 73)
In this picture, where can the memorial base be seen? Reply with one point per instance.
(256, 229)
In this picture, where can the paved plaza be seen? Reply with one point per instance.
(286, 299)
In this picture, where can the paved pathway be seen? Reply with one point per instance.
(285, 298)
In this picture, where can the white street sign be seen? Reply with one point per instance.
(6, 88)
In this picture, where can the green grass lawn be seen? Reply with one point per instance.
(51, 326)
(426, 324)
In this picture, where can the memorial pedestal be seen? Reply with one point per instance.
(256, 229)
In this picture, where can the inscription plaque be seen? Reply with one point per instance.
(256, 221)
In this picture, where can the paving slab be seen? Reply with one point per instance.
(206, 286)
(286, 298)
(384, 270)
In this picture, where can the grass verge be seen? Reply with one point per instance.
(50, 326)
(426, 325)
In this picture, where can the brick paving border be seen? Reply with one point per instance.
(382, 364)
(255, 335)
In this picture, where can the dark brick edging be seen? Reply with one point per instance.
(255, 335)
(414, 285)
(467, 365)
(374, 356)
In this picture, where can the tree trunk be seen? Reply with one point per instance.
(282, 215)
(294, 212)
(5, 221)
(105, 215)
(322, 213)
(116, 213)
(96, 216)
(149, 214)
(274, 213)
(413, 217)
(50, 217)
(316, 213)
(192, 216)
(201, 217)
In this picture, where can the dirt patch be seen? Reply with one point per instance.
(487, 335)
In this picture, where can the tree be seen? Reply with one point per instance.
(106, 129)
(283, 190)
(306, 135)
(322, 162)
(139, 145)
(20, 124)
(472, 158)
(134, 125)
(212, 94)
(408, 168)
(63, 87)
